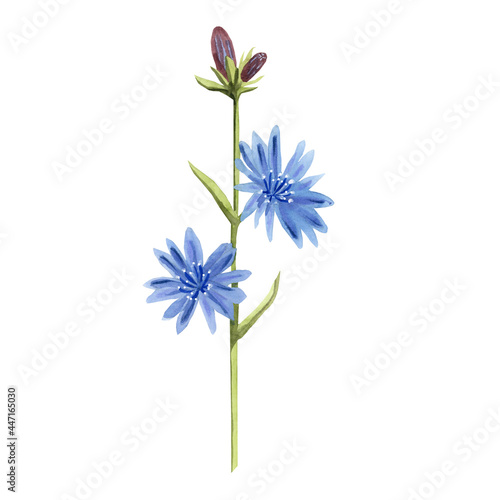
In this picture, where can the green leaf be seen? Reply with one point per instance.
(209, 85)
(253, 81)
(242, 90)
(252, 318)
(219, 75)
(219, 196)
(230, 69)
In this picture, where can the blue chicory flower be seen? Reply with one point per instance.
(193, 282)
(285, 194)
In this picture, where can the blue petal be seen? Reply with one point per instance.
(168, 262)
(302, 166)
(232, 277)
(286, 219)
(250, 187)
(161, 283)
(310, 217)
(221, 259)
(175, 308)
(234, 295)
(245, 170)
(307, 183)
(260, 210)
(312, 199)
(176, 254)
(259, 153)
(192, 248)
(274, 151)
(299, 151)
(309, 232)
(269, 222)
(220, 304)
(185, 317)
(246, 152)
(164, 294)
(250, 206)
(209, 313)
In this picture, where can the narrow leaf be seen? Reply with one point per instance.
(219, 75)
(209, 85)
(230, 68)
(219, 196)
(252, 318)
(253, 81)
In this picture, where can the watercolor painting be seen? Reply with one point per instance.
(276, 192)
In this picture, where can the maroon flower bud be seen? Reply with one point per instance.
(253, 66)
(222, 46)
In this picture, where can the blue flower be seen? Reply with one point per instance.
(285, 194)
(193, 282)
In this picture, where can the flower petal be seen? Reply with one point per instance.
(192, 248)
(162, 283)
(250, 206)
(274, 152)
(299, 151)
(185, 316)
(259, 153)
(164, 294)
(269, 222)
(232, 277)
(220, 304)
(234, 295)
(220, 260)
(176, 254)
(311, 217)
(175, 308)
(260, 210)
(245, 170)
(209, 313)
(312, 199)
(246, 153)
(168, 262)
(286, 218)
(249, 187)
(307, 183)
(302, 166)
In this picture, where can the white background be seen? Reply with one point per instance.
(388, 252)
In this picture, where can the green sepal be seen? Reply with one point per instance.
(220, 76)
(247, 58)
(242, 90)
(218, 195)
(252, 318)
(209, 85)
(252, 81)
(230, 69)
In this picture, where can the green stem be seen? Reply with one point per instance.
(233, 326)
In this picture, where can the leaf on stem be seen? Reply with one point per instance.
(252, 318)
(219, 196)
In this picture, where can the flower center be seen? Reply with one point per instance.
(277, 189)
(194, 282)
